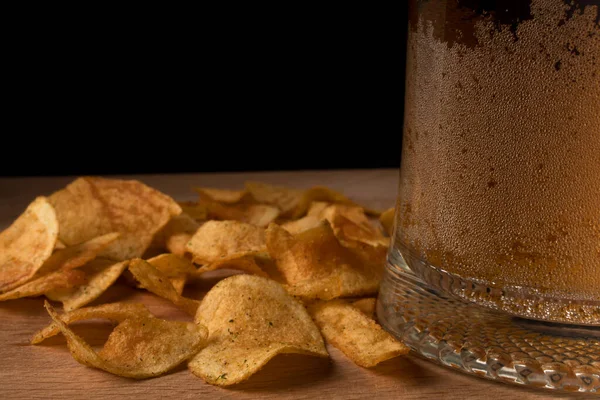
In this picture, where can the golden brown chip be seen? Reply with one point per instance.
(249, 263)
(55, 280)
(366, 306)
(90, 207)
(319, 194)
(100, 273)
(350, 223)
(116, 312)
(176, 234)
(255, 214)
(355, 334)
(250, 320)
(387, 220)
(225, 196)
(316, 266)
(197, 211)
(219, 239)
(78, 255)
(303, 224)
(176, 268)
(284, 198)
(27, 244)
(141, 347)
(158, 283)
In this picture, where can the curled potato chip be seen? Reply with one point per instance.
(27, 244)
(356, 335)
(139, 348)
(303, 224)
(366, 306)
(176, 268)
(153, 280)
(284, 198)
(225, 196)
(250, 320)
(319, 193)
(255, 214)
(219, 239)
(316, 266)
(56, 280)
(249, 263)
(101, 274)
(89, 207)
(75, 256)
(116, 312)
(197, 211)
(350, 223)
(176, 234)
(387, 220)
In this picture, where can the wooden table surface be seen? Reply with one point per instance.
(48, 371)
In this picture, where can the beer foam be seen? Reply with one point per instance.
(500, 175)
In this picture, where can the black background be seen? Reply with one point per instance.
(226, 90)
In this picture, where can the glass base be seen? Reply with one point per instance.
(519, 301)
(485, 342)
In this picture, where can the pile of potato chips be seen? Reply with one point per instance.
(309, 264)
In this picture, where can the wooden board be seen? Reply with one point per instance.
(48, 371)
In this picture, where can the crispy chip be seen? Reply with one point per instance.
(55, 280)
(176, 234)
(284, 198)
(387, 220)
(90, 207)
(349, 223)
(27, 244)
(303, 224)
(219, 239)
(250, 320)
(197, 211)
(355, 334)
(141, 347)
(78, 255)
(158, 283)
(249, 263)
(101, 274)
(116, 312)
(176, 268)
(366, 306)
(319, 193)
(316, 266)
(255, 214)
(225, 196)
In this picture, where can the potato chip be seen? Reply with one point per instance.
(101, 274)
(176, 268)
(350, 223)
(319, 193)
(27, 244)
(366, 306)
(176, 234)
(255, 214)
(55, 280)
(90, 207)
(249, 263)
(116, 312)
(78, 255)
(284, 198)
(219, 239)
(250, 320)
(225, 196)
(158, 283)
(316, 266)
(355, 334)
(141, 347)
(197, 211)
(303, 224)
(387, 220)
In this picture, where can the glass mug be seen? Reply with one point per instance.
(499, 194)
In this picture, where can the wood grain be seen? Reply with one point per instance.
(48, 371)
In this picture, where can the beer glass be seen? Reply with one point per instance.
(499, 196)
